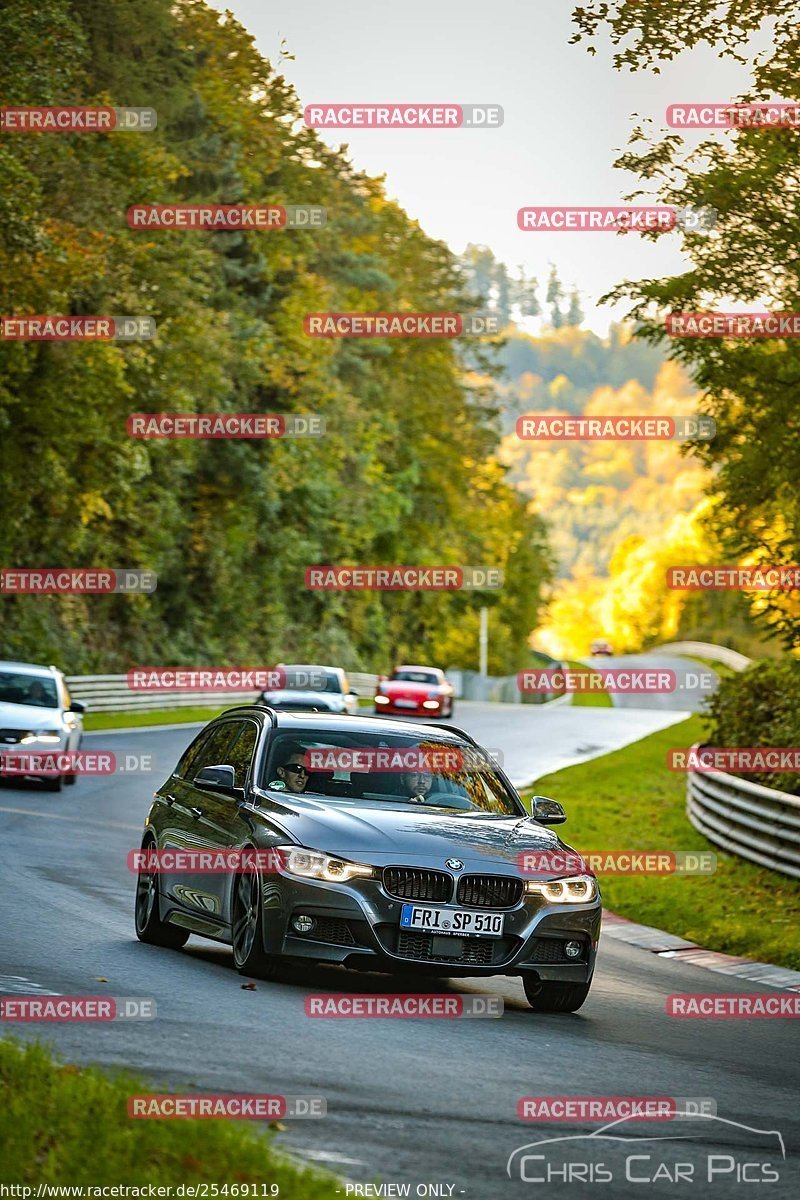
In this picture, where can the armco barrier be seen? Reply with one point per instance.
(756, 822)
(110, 693)
(723, 654)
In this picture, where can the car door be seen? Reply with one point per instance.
(219, 820)
(180, 819)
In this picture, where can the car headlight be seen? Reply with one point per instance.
(312, 864)
(381, 699)
(576, 889)
(433, 700)
(41, 735)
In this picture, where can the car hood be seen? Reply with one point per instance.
(28, 716)
(387, 833)
(400, 687)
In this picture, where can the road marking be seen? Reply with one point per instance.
(20, 985)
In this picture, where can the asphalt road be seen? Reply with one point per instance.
(694, 682)
(417, 1102)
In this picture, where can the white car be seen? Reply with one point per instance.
(312, 688)
(38, 714)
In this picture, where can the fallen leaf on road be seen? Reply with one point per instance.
(248, 987)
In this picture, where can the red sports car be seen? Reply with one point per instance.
(421, 690)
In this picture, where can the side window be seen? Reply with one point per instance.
(184, 767)
(215, 751)
(241, 754)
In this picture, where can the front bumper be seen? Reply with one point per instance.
(359, 926)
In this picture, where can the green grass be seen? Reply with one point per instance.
(167, 716)
(588, 699)
(67, 1125)
(151, 716)
(629, 800)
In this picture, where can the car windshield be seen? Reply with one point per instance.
(419, 771)
(415, 677)
(311, 679)
(18, 687)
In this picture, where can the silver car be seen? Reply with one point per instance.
(312, 688)
(37, 713)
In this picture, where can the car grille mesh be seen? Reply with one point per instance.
(415, 883)
(489, 891)
(331, 929)
(12, 736)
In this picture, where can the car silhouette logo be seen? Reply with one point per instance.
(455, 864)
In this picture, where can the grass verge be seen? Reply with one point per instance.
(68, 1125)
(151, 716)
(166, 716)
(588, 699)
(629, 800)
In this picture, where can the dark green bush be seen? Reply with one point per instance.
(760, 707)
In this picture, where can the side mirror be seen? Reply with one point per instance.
(352, 693)
(546, 811)
(77, 707)
(382, 679)
(220, 779)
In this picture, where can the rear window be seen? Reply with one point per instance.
(415, 677)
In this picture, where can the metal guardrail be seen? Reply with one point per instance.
(111, 693)
(729, 658)
(758, 823)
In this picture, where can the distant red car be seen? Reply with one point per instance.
(601, 646)
(423, 691)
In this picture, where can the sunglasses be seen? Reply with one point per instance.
(296, 767)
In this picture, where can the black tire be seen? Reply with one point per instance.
(54, 784)
(554, 997)
(149, 926)
(70, 779)
(451, 710)
(247, 929)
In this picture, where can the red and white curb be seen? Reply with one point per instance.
(668, 945)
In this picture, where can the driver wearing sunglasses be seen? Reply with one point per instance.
(293, 770)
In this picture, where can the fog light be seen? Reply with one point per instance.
(573, 949)
(303, 924)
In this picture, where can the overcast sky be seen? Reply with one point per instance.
(566, 116)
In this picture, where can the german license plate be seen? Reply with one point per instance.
(405, 704)
(451, 920)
